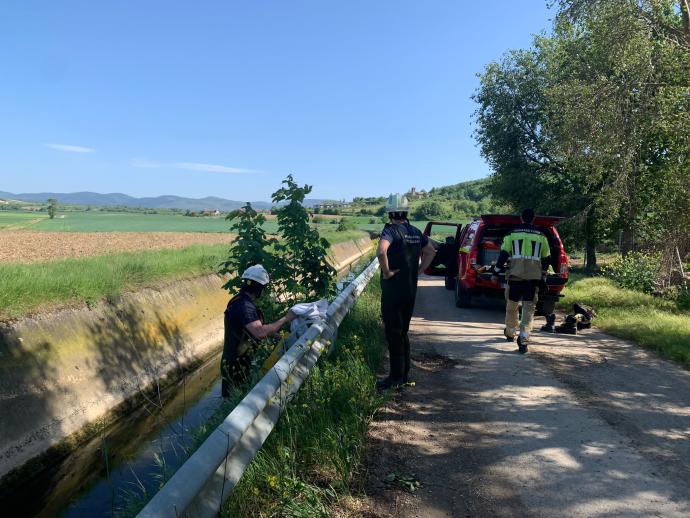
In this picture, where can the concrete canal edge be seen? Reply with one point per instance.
(66, 375)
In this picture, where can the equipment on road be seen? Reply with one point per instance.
(580, 319)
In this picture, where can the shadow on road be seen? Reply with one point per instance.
(586, 425)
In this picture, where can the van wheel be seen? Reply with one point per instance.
(450, 283)
(545, 307)
(463, 299)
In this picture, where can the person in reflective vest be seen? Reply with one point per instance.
(530, 256)
(399, 252)
(244, 329)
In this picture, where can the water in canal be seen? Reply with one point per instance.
(108, 475)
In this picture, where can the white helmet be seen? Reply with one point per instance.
(256, 273)
(397, 203)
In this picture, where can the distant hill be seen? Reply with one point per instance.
(159, 202)
(458, 201)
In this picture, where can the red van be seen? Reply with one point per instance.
(464, 253)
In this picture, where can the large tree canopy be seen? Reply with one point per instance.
(593, 122)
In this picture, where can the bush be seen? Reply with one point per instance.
(319, 220)
(636, 271)
(346, 224)
(430, 210)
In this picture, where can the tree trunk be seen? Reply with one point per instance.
(590, 256)
(627, 243)
(590, 243)
(685, 13)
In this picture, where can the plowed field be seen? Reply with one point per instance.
(29, 246)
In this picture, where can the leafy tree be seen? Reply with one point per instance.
(249, 247)
(302, 266)
(430, 210)
(52, 207)
(593, 122)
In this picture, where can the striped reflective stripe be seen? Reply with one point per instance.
(536, 249)
(524, 257)
(517, 247)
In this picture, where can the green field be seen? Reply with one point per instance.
(14, 219)
(97, 221)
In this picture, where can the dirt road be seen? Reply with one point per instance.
(580, 426)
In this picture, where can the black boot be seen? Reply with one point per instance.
(388, 383)
(522, 345)
(569, 327)
(396, 376)
(550, 326)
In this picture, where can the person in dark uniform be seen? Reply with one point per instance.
(399, 251)
(244, 329)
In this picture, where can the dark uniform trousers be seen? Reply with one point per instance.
(396, 312)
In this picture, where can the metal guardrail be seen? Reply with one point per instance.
(203, 483)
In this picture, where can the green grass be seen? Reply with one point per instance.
(652, 322)
(26, 287)
(333, 236)
(314, 455)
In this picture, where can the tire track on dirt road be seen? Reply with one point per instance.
(580, 426)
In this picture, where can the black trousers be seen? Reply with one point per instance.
(396, 314)
(234, 369)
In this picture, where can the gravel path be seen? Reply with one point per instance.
(580, 426)
(29, 246)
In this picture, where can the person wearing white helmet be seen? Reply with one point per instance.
(399, 252)
(244, 328)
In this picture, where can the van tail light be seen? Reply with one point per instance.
(473, 258)
(564, 266)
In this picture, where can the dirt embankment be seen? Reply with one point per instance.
(29, 246)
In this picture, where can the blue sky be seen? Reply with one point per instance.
(224, 98)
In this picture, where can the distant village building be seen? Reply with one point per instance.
(414, 194)
(210, 212)
(331, 205)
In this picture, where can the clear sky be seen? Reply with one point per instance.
(226, 97)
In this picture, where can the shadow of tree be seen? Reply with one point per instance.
(134, 349)
(28, 388)
(131, 355)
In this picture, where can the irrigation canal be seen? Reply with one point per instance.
(108, 475)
